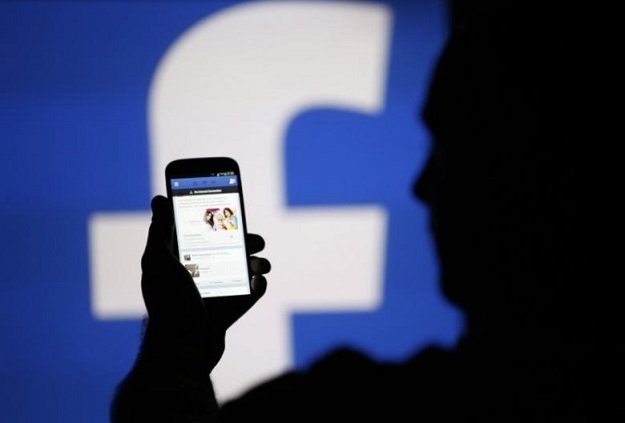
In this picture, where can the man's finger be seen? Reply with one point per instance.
(259, 286)
(161, 231)
(255, 243)
(259, 265)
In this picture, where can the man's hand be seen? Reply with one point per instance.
(182, 327)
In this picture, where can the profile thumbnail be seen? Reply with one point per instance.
(193, 269)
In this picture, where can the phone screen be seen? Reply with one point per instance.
(210, 233)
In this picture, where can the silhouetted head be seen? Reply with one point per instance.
(503, 180)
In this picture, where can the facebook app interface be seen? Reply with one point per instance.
(209, 229)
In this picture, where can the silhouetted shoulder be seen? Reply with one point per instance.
(348, 384)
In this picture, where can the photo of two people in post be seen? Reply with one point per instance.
(221, 219)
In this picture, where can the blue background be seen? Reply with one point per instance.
(74, 80)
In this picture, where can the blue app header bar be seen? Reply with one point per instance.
(205, 182)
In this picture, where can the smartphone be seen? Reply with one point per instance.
(210, 228)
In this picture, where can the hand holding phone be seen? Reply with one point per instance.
(185, 335)
(196, 279)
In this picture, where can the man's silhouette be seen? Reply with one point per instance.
(505, 191)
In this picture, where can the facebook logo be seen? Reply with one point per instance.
(317, 101)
